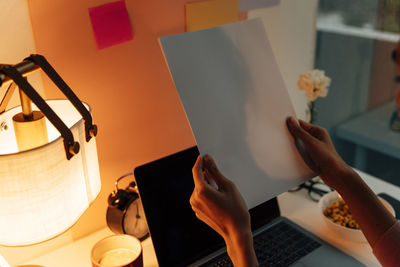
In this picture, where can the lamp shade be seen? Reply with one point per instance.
(42, 193)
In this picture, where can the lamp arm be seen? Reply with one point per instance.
(24, 67)
(39, 60)
(71, 147)
(7, 97)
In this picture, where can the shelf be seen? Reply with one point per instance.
(371, 130)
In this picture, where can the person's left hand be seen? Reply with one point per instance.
(222, 208)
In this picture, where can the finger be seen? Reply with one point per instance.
(315, 131)
(202, 195)
(306, 126)
(197, 171)
(192, 201)
(213, 171)
(298, 132)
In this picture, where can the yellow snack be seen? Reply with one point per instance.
(340, 213)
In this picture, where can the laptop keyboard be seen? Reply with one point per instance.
(279, 245)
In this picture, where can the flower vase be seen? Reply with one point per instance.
(395, 121)
(311, 113)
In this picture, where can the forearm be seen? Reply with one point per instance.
(374, 219)
(240, 249)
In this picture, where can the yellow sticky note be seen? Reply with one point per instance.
(207, 14)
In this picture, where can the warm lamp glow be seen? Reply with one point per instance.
(42, 193)
(3, 262)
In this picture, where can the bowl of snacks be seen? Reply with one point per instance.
(339, 218)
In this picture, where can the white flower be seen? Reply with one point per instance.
(315, 83)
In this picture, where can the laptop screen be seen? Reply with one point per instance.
(179, 238)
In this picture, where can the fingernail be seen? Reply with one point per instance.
(209, 162)
(290, 120)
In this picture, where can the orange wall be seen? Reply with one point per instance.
(134, 101)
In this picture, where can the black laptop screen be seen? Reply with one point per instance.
(179, 238)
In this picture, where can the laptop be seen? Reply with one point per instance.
(180, 239)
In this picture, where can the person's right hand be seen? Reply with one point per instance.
(373, 218)
(319, 146)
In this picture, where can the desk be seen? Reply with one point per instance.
(371, 130)
(295, 206)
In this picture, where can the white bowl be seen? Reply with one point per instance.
(344, 232)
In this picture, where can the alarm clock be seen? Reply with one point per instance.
(125, 214)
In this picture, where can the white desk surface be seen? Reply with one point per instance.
(295, 206)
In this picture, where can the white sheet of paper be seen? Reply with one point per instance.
(245, 5)
(237, 105)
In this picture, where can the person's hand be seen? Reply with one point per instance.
(373, 217)
(223, 209)
(320, 148)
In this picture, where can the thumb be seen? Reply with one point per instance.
(211, 167)
(297, 131)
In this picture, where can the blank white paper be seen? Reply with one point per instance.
(237, 104)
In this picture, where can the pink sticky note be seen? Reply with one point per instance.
(111, 24)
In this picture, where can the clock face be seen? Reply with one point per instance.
(134, 221)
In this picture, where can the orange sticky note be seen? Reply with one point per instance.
(207, 14)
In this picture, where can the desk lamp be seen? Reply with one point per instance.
(49, 172)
